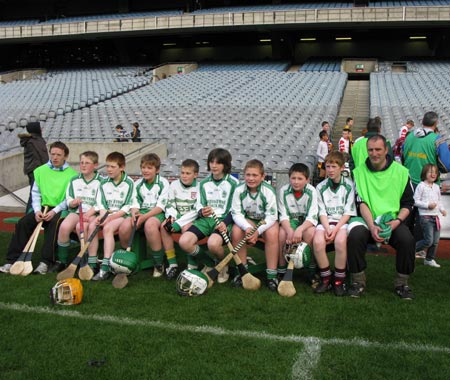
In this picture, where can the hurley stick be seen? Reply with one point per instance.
(69, 272)
(249, 281)
(85, 272)
(213, 273)
(23, 263)
(286, 286)
(121, 279)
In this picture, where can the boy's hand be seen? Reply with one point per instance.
(206, 211)
(222, 227)
(167, 224)
(298, 235)
(253, 238)
(432, 205)
(330, 234)
(444, 213)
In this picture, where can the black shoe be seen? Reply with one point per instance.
(323, 287)
(339, 289)
(356, 290)
(236, 282)
(272, 284)
(404, 292)
(172, 272)
(57, 267)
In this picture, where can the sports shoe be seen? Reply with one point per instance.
(431, 263)
(236, 282)
(42, 268)
(57, 267)
(272, 284)
(404, 292)
(158, 271)
(323, 287)
(5, 268)
(314, 280)
(421, 254)
(172, 272)
(356, 290)
(223, 275)
(102, 275)
(339, 289)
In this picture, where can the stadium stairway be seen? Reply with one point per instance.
(355, 103)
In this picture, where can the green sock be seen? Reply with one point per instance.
(191, 260)
(105, 265)
(271, 273)
(282, 269)
(158, 257)
(63, 252)
(92, 261)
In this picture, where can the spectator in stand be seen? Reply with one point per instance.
(122, 134)
(35, 152)
(136, 133)
(326, 128)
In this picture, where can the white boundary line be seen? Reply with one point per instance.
(306, 361)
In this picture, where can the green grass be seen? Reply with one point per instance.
(147, 331)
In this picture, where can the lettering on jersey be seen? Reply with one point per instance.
(418, 155)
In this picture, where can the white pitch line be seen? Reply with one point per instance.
(224, 332)
(307, 360)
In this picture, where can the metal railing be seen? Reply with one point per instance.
(231, 19)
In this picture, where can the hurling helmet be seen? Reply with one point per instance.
(299, 253)
(67, 292)
(123, 262)
(191, 283)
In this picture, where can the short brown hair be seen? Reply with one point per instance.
(335, 157)
(116, 157)
(93, 156)
(151, 159)
(190, 163)
(59, 145)
(426, 169)
(257, 164)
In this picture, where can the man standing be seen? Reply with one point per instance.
(383, 204)
(49, 189)
(425, 146)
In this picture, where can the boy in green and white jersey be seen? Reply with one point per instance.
(116, 195)
(215, 196)
(180, 210)
(253, 201)
(149, 206)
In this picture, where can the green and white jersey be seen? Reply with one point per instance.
(301, 209)
(336, 200)
(261, 205)
(116, 197)
(217, 194)
(85, 190)
(151, 195)
(181, 202)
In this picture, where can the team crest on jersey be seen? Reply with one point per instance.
(224, 194)
(193, 194)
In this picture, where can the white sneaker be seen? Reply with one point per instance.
(421, 254)
(42, 268)
(223, 275)
(5, 268)
(158, 271)
(431, 263)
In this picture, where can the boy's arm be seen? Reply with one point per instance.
(236, 212)
(271, 214)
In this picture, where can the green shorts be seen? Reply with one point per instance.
(294, 224)
(206, 226)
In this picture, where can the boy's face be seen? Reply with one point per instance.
(149, 172)
(334, 171)
(57, 157)
(325, 137)
(216, 169)
(253, 178)
(345, 134)
(187, 175)
(87, 166)
(114, 170)
(298, 181)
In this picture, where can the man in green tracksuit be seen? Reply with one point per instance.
(49, 189)
(384, 191)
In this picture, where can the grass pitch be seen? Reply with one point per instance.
(147, 331)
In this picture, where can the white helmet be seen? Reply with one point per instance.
(191, 282)
(299, 253)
